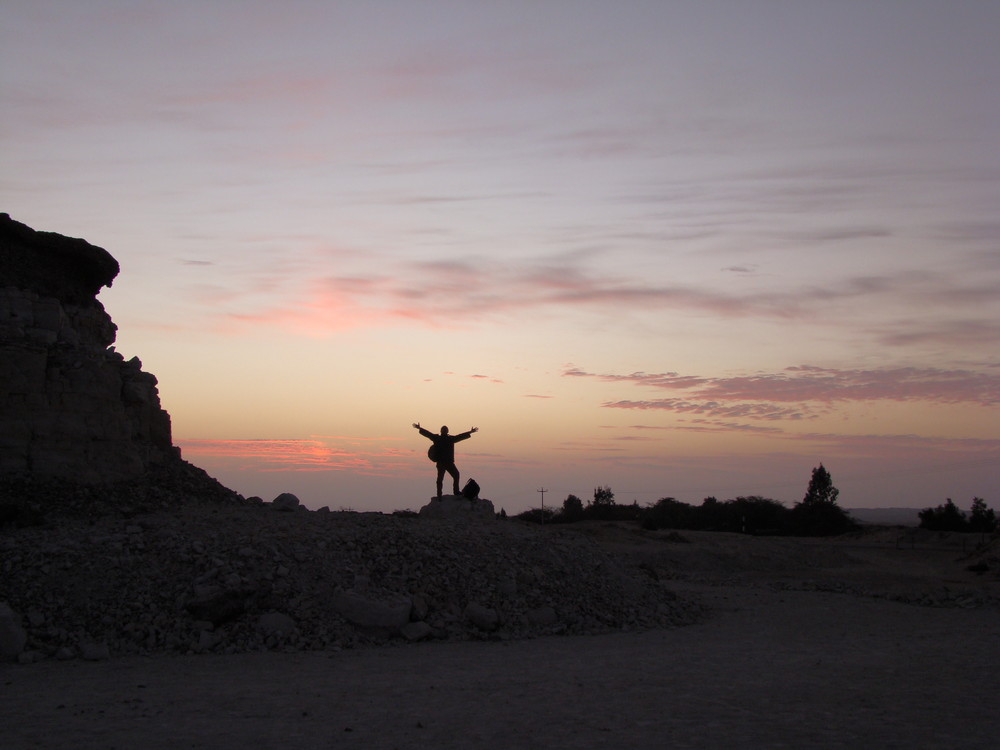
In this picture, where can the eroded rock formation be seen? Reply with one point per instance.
(70, 406)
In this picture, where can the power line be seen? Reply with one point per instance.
(543, 491)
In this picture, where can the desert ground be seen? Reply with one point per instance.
(882, 639)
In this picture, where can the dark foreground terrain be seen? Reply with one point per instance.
(881, 639)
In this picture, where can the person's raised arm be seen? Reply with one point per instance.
(422, 431)
(466, 435)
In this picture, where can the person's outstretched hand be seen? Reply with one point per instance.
(417, 425)
(474, 429)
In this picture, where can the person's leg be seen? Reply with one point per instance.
(440, 478)
(453, 470)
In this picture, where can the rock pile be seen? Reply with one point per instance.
(235, 578)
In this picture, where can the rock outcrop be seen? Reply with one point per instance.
(458, 506)
(70, 406)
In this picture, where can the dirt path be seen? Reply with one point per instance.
(768, 669)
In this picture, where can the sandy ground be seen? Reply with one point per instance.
(770, 666)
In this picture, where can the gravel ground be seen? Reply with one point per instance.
(601, 635)
(764, 669)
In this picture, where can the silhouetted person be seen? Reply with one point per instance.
(443, 453)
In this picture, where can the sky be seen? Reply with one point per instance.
(678, 249)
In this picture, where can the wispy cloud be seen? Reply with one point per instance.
(755, 396)
(461, 291)
(716, 409)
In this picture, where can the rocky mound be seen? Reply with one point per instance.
(228, 578)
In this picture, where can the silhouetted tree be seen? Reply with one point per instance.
(603, 496)
(668, 513)
(821, 489)
(755, 515)
(604, 508)
(982, 518)
(818, 513)
(945, 517)
(572, 508)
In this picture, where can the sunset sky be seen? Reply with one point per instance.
(676, 248)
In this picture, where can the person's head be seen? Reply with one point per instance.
(444, 430)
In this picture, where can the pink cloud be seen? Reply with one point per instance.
(716, 409)
(320, 453)
(462, 292)
(804, 383)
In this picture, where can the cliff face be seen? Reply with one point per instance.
(70, 406)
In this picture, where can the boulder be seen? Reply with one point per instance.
(12, 635)
(285, 501)
(219, 609)
(276, 623)
(95, 651)
(457, 506)
(543, 617)
(372, 613)
(482, 617)
(416, 631)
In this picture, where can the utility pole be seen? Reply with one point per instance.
(543, 491)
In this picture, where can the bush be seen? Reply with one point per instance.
(572, 509)
(982, 519)
(611, 512)
(537, 515)
(945, 517)
(948, 517)
(753, 514)
(819, 519)
(668, 513)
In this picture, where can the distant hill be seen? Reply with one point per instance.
(890, 516)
